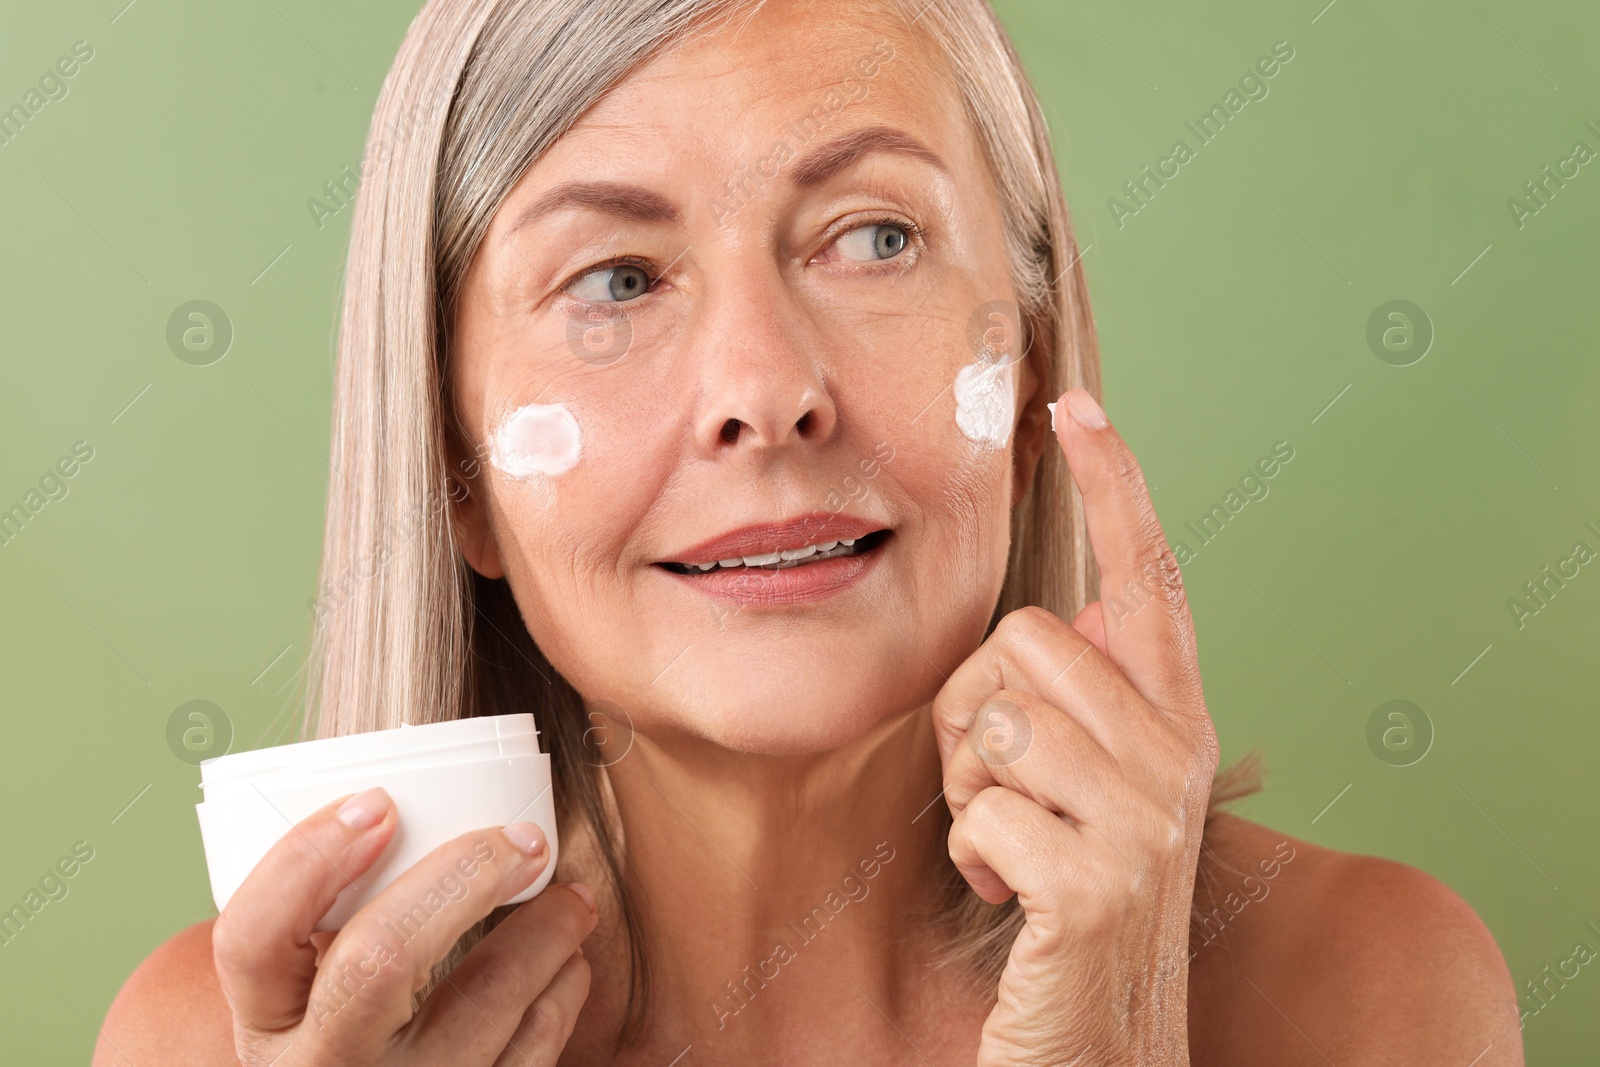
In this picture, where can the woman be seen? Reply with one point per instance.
(740, 450)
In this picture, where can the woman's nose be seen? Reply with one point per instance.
(760, 386)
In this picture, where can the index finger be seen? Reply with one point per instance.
(1032, 651)
(1148, 629)
(387, 950)
(261, 943)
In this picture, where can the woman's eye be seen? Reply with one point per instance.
(613, 284)
(881, 240)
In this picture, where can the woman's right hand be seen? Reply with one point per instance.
(513, 999)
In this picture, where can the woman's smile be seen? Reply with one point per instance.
(801, 559)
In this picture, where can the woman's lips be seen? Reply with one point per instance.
(763, 539)
(788, 582)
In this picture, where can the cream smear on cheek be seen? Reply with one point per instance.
(536, 439)
(986, 401)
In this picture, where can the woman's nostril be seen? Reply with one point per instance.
(732, 429)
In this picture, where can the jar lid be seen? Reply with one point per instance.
(331, 752)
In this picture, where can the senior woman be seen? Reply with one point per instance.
(717, 382)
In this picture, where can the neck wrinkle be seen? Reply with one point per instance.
(776, 890)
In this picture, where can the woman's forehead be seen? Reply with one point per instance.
(794, 73)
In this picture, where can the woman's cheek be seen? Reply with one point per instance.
(985, 396)
(575, 478)
(536, 442)
(540, 459)
(977, 480)
(548, 462)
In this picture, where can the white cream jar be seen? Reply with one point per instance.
(446, 779)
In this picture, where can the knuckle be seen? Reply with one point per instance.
(232, 950)
(1021, 700)
(478, 854)
(501, 978)
(1124, 464)
(511, 973)
(1025, 620)
(1198, 754)
(545, 1022)
(1002, 730)
(985, 807)
(1028, 625)
(1164, 829)
(1008, 629)
(1191, 766)
(305, 852)
(400, 959)
(1158, 568)
(478, 849)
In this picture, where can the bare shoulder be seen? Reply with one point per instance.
(171, 1010)
(1300, 953)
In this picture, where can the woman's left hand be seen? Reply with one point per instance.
(1078, 763)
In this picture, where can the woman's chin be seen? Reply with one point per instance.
(783, 714)
(800, 732)
(780, 690)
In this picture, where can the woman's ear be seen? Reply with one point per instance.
(469, 512)
(1033, 428)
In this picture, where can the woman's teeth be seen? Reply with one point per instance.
(788, 557)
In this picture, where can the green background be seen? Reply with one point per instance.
(1233, 308)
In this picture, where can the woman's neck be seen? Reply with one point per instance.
(779, 890)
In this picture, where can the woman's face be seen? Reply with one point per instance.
(762, 283)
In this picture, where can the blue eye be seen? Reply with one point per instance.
(876, 241)
(614, 283)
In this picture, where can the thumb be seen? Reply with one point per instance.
(1091, 623)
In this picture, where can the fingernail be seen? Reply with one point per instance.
(1051, 407)
(525, 835)
(585, 892)
(1085, 410)
(364, 810)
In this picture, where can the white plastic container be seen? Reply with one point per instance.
(446, 779)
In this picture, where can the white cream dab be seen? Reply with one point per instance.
(986, 401)
(537, 439)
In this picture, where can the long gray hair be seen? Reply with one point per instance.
(405, 631)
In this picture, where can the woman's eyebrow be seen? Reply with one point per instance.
(829, 159)
(634, 203)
